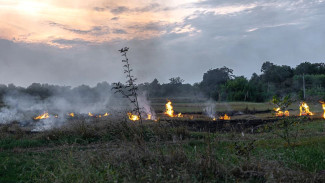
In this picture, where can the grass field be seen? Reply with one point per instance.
(117, 151)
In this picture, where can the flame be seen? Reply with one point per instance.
(180, 115)
(225, 117)
(133, 117)
(106, 114)
(56, 116)
(71, 114)
(89, 114)
(170, 112)
(169, 109)
(43, 116)
(304, 110)
(149, 117)
(323, 105)
(99, 116)
(214, 119)
(280, 113)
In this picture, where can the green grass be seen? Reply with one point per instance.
(157, 152)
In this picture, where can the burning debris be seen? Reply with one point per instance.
(304, 110)
(323, 105)
(280, 113)
(71, 114)
(45, 115)
(133, 117)
(170, 112)
(225, 117)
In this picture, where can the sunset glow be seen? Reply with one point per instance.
(65, 23)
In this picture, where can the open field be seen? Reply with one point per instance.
(170, 150)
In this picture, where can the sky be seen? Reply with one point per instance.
(77, 41)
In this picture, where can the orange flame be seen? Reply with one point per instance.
(71, 114)
(89, 114)
(304, 110)
(133, 117)
(170, 112)
(323, 105)
(280, 113)
(149, 117)
(225, 117)
(214, 119)
(106, 114)
(43, 116)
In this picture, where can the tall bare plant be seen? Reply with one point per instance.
(130, 89)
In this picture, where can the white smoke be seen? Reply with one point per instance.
(145, 105)
(210, 109)
(22, 107)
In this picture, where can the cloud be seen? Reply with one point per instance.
(95, 30)
(119, 31)
(71, 42)
(120, 10)
(99, 9)
(182, 40)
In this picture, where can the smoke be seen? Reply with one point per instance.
(23, 107)
(210, 109)
(145, 105)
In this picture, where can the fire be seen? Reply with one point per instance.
(280, 113)
(71, 114)
(89, 114)
(304, 110)
(214, 119)
(133, 117)
(225, 117)
(323, 105)
(170, 112)
(43, 116)
(106, 114)
(149, 117)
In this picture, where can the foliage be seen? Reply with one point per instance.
(129, 90)
(283, 103)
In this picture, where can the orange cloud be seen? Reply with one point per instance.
(96, 21)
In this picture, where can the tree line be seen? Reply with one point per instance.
(219, 84)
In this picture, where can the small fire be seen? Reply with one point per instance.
(225, 117)
(133, 117)
(214, 119)
(106, 114)
(56, 116)
(323, 105)
(43, 116)
(149, 117)
(280, 113)
(170, 112)
(304, 110)
(71, 114)
(99, 116)
(89, 114)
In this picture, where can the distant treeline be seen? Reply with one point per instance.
(219, 84)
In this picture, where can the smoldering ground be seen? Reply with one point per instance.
(22, 107)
